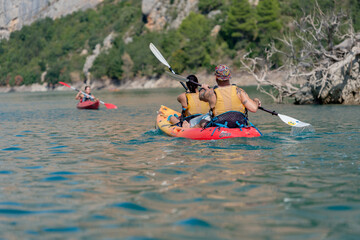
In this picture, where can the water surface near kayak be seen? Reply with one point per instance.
(108, 174)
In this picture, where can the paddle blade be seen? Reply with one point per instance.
(65, 84)
(110, 106)
(292, 121)
(177, 77)
(181, 78)
(158, 55)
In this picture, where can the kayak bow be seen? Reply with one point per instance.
(88, 105)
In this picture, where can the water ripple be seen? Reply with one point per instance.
(13, 149)
(62, 173)
(10, 211)
(171, 171)
(130, 206)
(193, 222)
(339, 208)
(139, 178)
(55, 179)
(62, 230)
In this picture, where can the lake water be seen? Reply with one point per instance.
(108, 174)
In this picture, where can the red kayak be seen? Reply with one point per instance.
(211, 133)
(88, 105)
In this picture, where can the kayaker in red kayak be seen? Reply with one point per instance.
(82, 98)
(190, 103)
(229, 104)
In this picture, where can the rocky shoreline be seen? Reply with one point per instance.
(239, 78)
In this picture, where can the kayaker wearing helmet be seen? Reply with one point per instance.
(191, 104)
(84, 98)
(228, 103)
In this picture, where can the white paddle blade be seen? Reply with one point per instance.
(177, 77)
(292, 121)
(158, 55)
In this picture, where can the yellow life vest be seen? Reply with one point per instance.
(195, 105)
(227, 100)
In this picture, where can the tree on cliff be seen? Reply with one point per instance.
(195, 31)
(268, 21)
(240, 24)
(206, 6)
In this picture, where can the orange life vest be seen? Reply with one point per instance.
(227, 100)
(195, 105)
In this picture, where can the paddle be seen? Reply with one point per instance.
(286, 119)
(107, 105)
(160, 57)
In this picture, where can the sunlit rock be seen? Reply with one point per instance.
(17, 13)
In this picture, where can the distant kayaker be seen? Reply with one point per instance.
(229, 104)
(191, 104)
(84, 98)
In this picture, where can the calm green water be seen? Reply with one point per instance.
(108, 174)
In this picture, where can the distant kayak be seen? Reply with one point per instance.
(88, 105)
(211, 133)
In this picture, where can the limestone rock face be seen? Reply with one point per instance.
(107, 44)
(166, 14)
(17, 13)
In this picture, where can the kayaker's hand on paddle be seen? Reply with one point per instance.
(257, 101)
(205, 86)
(203, 92)
(207, 95)
(78, 96)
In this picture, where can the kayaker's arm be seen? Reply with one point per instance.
(79, 96)
(182, 100)
(251, 104)
(206, 94)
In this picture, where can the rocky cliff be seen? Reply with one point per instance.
(166, 14)
(16, 13)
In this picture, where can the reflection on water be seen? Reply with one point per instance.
(68, 173)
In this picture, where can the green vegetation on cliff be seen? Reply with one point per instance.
(60, 46)
(55, 46)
